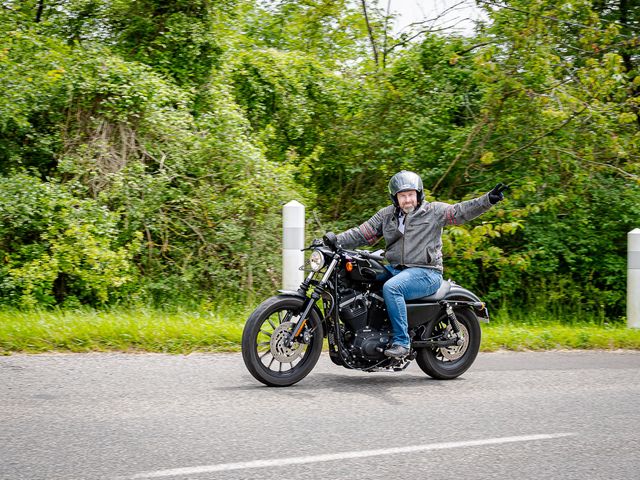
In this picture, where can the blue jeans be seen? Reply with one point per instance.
(407, 284)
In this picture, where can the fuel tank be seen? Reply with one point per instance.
(366, 270)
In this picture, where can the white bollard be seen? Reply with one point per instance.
(633, 278)
(292, 243)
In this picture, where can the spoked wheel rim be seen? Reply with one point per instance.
(271, 344)
(265, 348)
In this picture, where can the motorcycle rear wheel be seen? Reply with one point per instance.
(451, 362)
(264, 349)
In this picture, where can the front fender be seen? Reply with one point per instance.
(294, 293)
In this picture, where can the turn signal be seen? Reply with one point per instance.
(349, 266)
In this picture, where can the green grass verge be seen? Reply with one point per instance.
(553, 336)
(215, 331)
(130, 331)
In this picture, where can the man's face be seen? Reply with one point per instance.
(408, 200)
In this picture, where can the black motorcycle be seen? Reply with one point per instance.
(341, 299)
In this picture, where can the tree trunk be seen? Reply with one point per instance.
(39, 11)
(370, 30)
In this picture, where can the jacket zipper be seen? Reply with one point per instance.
(406, 225)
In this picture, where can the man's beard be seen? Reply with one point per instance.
(408, 208)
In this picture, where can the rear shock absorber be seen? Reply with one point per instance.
(454, 322)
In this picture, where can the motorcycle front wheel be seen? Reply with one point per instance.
(265, 349)
(446, 363)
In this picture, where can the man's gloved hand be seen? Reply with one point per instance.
(496, 194)
(330, 240)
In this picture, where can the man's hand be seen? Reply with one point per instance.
(330, 240)
(496, 194)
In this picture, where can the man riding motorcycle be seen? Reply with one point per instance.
(412, 229)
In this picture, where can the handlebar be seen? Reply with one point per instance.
(377, 255)
(330, 240)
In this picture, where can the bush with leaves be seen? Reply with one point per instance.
(59, 249)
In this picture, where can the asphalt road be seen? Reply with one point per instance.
(536, 416)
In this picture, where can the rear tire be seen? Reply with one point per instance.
(264, 351)
(451, 362)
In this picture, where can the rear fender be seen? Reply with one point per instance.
(463, 298)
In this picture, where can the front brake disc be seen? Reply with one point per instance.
(279, 349)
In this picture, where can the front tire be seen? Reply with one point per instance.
(450, 362)
(264, 349)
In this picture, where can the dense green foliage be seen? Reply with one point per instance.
(146, 148)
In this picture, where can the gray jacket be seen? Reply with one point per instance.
(421, 243)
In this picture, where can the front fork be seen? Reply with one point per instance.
(311, 301)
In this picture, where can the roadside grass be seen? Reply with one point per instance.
(220, 330)
(139, 330)
(546, 329)
(556, 336)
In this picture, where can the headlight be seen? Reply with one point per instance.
(316, 260)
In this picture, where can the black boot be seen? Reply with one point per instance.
(396, 351)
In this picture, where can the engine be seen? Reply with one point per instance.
(368, 343)
(367, 329)
(353, 309)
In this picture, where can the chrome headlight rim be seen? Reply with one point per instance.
(316, 260)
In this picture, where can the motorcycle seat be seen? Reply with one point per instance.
(445, 286)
